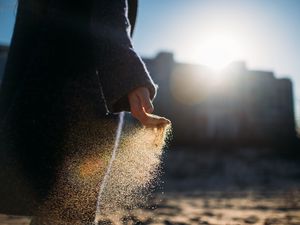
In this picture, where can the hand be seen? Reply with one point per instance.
(141, 108)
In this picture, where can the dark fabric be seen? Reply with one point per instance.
(50, 81)
(132, 13)
(114, 43)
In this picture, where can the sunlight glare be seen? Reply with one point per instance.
(218, 50)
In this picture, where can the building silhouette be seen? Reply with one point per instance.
(236, 106)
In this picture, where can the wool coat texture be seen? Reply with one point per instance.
(69, 63)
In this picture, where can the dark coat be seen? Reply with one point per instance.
(69, 62)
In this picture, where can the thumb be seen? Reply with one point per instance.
(144, 97)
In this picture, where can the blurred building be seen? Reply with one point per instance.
(235, 106)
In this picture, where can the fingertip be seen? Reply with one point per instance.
(149, 109)
(165, 121)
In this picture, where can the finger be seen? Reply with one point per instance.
(136, 109)
(148, 120)
(160, 121)
(146, 102)
(139, 113)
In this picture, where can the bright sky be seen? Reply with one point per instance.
(264, 33)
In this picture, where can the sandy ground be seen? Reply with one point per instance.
(232, 208)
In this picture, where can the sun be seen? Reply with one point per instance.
(217, 50)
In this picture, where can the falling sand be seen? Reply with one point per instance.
(108, 172)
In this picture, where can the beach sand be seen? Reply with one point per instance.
(211, 208)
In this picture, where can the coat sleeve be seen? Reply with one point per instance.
(119, 67)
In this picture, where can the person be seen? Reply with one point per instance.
(69, 62)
